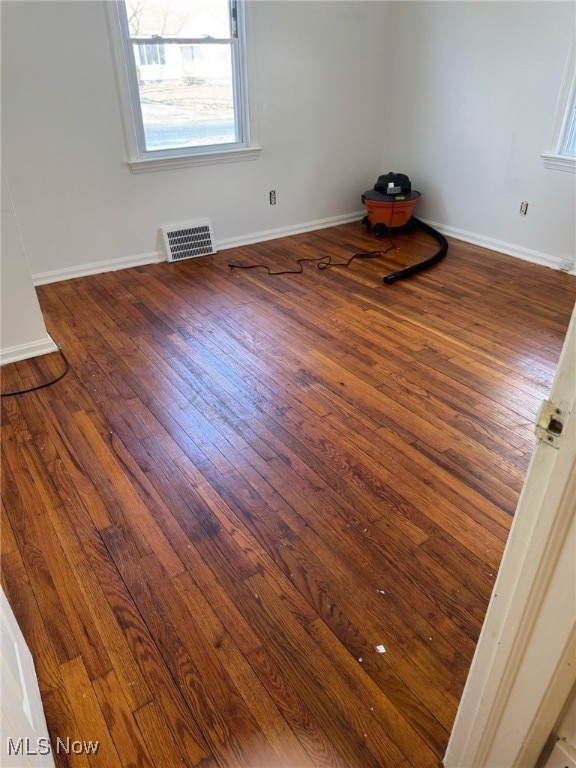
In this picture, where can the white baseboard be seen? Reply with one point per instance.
(296, 229)
(96, 267)
(536, 257)
(53, 276)
(25, 351)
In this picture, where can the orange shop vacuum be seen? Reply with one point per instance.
(389, 207)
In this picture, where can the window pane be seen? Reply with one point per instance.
(570, 142)
(178, 18)
(151, 54)
(186, 93)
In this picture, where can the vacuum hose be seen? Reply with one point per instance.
(407, 271)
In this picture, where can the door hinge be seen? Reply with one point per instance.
(550, 422)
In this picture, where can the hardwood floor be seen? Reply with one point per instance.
(258, 522)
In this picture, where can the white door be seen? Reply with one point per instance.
(524, 668)
(23, 733)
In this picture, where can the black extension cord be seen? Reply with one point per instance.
(324, 262)
(46, 384)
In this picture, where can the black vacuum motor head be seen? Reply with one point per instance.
(391, 187)
(393, 184)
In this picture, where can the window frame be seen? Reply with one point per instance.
(141, 159)
(557, 157)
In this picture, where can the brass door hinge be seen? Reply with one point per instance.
(550, 422)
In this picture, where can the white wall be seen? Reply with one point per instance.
(473, 93)
(459, 95)
(22, 330)
(317, 86)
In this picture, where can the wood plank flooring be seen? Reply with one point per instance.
(247, 486)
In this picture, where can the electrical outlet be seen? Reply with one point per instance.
(523, 208)
(272, 197)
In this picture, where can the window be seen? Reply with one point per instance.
(184, 78)
(562, 152)
(151, 54)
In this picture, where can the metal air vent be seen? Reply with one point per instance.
(187, 241)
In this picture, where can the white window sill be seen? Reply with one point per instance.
(186, 161)
(559, 162)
